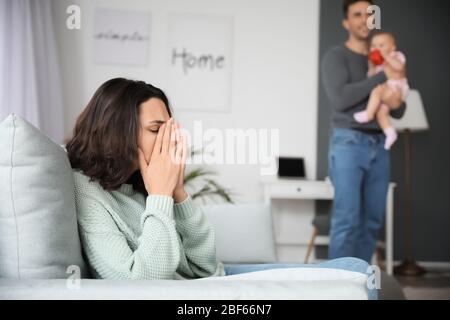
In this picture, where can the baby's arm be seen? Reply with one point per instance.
(372, 70)
(397, 61)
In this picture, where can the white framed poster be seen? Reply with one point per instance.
(200, 61)
(121, 37)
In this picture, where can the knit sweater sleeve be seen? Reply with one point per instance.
(198, 259)
(110, 256)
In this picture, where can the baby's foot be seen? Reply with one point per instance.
(391, 137)
(362, 117)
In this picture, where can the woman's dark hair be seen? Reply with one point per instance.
(347, 3)
(105, 138)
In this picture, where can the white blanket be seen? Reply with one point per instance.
(283, 284)
(296, 274)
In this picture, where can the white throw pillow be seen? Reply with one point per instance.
(38, 227)
(244, 232)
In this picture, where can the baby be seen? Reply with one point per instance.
(394, 67)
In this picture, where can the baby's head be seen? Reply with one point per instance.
(383, 41)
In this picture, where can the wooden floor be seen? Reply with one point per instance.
(434, 285)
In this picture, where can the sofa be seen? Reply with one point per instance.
(41, 255)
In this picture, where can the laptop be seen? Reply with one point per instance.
(291, 168)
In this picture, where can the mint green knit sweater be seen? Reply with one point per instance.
(127, 236)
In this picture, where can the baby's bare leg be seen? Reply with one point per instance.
(385, 124)
(372, 106)
(374, 101)
(383, 117)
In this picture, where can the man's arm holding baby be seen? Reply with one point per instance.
(344, 94)
(393, 99)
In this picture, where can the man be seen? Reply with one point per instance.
(359, 166)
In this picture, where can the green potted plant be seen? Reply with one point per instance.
(202, 186)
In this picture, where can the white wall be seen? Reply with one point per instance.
(274, 83)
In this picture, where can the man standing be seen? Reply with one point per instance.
(359, 166)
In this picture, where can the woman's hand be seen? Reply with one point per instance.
(179, 194)
(161, 174)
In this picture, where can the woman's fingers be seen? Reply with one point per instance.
(173, 146)
(142, 162)
(177, 132)
(181, 147)
(184, 144)
(167, 137)
(158, 143)
(178, 154)
(179, 150)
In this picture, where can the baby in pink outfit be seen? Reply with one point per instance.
(394, 67)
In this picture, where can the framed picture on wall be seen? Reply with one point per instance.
(200, 61)
(121, 37)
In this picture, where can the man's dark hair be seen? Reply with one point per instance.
(105, 140)
(348, 3)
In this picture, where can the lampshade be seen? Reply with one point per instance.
(415, 118)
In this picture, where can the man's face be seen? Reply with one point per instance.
(356, 21)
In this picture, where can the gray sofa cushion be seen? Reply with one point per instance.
(244, 233)
(38, 227)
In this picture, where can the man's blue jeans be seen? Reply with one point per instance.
(350, 264)
(359, 169)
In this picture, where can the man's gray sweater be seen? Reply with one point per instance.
(344, 74)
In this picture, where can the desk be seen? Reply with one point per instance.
(279, 189)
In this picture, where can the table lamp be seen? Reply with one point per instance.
(414, 120)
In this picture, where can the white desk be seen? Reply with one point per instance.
(275, 188)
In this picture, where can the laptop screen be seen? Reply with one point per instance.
(291, 167)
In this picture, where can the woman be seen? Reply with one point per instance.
(136, 220)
